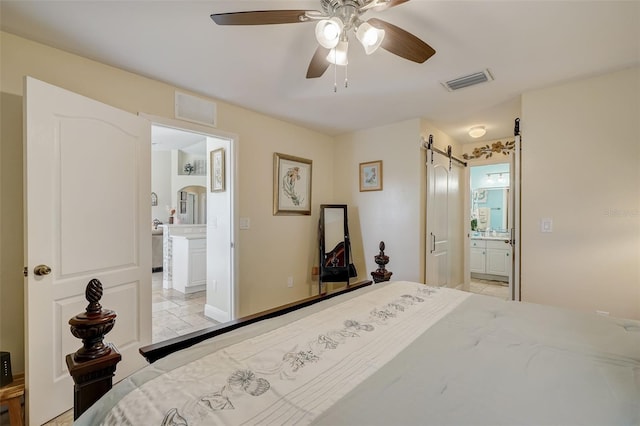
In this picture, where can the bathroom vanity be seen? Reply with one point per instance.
(189, 263)
(490, 258)
(184, 266)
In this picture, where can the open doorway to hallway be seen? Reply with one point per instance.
(176, 314)
(192, 229)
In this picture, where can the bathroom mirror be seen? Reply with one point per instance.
(490, 209)
(333, 237)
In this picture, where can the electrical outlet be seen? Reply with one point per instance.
(290, 282)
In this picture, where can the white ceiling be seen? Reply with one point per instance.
(525, 44)
(167, 139)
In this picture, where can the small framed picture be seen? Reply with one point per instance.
(217, 170)
(371, 176)
(291, 185)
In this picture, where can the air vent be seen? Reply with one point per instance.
(194, 109)
(468, 80)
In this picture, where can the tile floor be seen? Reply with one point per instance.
(174, 313)
(490, 288)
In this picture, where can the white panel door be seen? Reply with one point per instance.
(87, 216)
(437, 264)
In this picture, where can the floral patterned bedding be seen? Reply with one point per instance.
(293, 373)
(398, 353)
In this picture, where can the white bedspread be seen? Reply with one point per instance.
(294, 373)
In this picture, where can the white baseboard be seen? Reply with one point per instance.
(216, 313)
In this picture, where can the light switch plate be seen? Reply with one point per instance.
(245, 223)
(546, 225)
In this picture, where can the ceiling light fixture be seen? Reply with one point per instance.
(328, 32)
(333, 33)
(336, 22)
(338, 55)
(477, 131)
(369, 36)
(502, 176)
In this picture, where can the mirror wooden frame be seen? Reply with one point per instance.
(339, 253)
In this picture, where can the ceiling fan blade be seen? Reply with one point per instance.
(319, 63)
(403, 43)
(261, 17)
(384, 5)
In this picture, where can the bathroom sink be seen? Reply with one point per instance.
(158, 231)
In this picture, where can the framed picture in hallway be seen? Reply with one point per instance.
(291, 185)
(217, 170)
(371, 176)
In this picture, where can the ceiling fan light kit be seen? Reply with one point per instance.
(338, 55)
(370, 37)
(334, 23)
(328, 32)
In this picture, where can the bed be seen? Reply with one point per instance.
(398, 353)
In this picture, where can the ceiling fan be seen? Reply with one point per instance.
(333, 24)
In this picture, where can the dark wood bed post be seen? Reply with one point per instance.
(381, 274)
(94, 364)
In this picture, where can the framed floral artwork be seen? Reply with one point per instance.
(371, 176)
(291, 185)
(217, 170)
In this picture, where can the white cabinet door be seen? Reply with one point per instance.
(477, 260)
(189, 268)
(498, 262)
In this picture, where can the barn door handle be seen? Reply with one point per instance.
(42, 270)
(433, 242)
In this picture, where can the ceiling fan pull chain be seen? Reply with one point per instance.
(335, 78)
(346, 76)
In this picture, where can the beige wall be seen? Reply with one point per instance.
(11, 223)
(394, 215)
(581, 168)
(397, 214)
(262, 249)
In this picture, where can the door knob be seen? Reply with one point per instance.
(42, 270)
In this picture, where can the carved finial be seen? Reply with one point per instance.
(92, 325)
(381, 274)
(93, 293)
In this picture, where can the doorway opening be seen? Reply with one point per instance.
(491, 220)
(186, 289)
